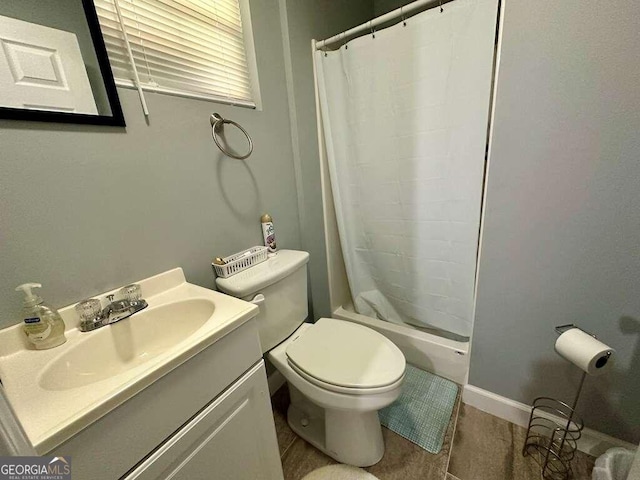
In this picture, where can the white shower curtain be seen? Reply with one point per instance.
(405, 119)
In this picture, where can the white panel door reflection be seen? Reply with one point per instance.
(41, 68)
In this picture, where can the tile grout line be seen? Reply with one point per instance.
(453, 437)
(288, 448)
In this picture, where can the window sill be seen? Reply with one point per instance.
(183, 94)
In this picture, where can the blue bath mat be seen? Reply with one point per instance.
(422, 412)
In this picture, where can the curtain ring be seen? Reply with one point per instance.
(371, 29)
(344, 40)
(440, 3)
(404, 20)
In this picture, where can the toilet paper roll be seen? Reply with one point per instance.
(584, 351)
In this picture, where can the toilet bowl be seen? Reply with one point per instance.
(335, 415)
(339, 373)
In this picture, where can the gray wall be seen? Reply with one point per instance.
(380, 7)
(562, 226)
(85, 209)
(308, 19)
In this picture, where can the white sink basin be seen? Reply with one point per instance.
(122, 346)
(56, 393)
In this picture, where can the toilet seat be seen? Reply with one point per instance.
(347, 358)
(347, 390)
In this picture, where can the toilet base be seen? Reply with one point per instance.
(352, 437)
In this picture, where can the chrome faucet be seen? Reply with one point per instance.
(92, 316)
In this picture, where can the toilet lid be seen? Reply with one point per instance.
(346, 354)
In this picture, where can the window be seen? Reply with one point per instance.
(193, 48)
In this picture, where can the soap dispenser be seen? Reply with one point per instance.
(43, 325)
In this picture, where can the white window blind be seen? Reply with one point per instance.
(184, 47)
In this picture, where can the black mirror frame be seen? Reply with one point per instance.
(117, 117)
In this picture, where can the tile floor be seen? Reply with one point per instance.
(477, 446)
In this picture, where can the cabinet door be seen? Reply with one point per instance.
(232, 438)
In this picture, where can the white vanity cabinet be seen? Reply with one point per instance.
(209, 418)
(232, 438)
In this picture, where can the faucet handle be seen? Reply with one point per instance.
(110, 298)
(89, 312)
(132, 293)
(88, 309)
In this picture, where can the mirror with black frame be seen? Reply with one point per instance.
(54, 65)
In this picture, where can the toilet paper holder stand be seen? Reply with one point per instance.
(554, 429)
(560, 329)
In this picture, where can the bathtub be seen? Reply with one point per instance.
(441, 356)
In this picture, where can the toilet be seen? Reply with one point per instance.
(339, 373)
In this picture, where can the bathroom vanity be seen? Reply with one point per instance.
(177, 391)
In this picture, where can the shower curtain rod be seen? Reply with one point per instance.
(398, 13)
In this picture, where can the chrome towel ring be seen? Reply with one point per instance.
(217, 123)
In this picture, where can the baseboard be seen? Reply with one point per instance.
(592, 442)
(275, 381)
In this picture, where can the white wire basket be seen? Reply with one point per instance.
(240, 261)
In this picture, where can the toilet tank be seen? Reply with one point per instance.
(279, 286)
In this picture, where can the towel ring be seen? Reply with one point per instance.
(217, 122)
